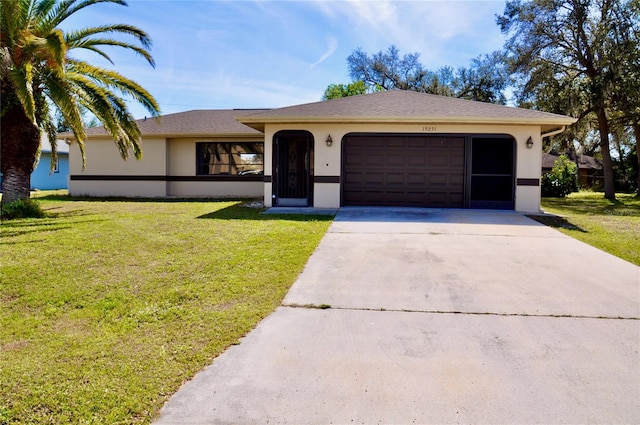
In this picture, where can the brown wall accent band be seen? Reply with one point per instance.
(528, 182)
(267, 179)
(326, 179)
(249, 178)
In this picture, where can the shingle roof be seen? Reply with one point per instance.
(190, 123)
(404, 106)
(45, 146)
(584, 162)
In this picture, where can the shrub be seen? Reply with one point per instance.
(23, 208)
(561, 180)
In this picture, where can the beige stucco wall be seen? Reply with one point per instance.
(328, 158)
(161, 157)
(103, 158)
(127, 189)
(215, 189)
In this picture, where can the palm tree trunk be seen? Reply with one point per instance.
(607, 163)
(19, 144)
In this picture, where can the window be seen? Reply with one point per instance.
(224, 158)
(56, 169)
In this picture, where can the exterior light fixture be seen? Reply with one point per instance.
(329, 141)
(529, 143)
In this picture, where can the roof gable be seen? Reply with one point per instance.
(404, 106)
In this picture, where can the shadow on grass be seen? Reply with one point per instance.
(624, 205)
(55, 197)
(556, 222)
(49, 223)
(241, 212)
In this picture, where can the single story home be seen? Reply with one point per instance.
(42, 178)
(589, 168)
(392, 148)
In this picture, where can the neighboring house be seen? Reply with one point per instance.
(393, 148)
(589, 168)
(42, 177)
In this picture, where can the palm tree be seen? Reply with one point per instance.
(39, 76)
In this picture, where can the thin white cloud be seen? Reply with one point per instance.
(332, 46)
(441, 31)
(225, 54)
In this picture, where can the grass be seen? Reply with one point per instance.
(613, 226)
(107, 307)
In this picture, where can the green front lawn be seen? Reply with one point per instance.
(613, 226)
(107, 307)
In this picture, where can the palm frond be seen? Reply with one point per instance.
(118, 82)
(111, 110)
(93, 43)
(69, 7)
(43, 8)
(47, 125)
(56, 47)
(61, 94)
(22, 79)
(13, 19)
(78, 35)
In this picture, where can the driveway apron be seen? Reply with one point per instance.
(436, 316)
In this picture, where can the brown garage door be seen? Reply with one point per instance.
(403, 170)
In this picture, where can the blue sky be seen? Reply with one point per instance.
(263, 54)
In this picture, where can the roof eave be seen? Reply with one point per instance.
(258, 123)
(174, 136)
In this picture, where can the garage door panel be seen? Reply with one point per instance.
(352, 178)
(374, 160)
(438, 161)
(456, 179)
(354, 159)
(392, 142)
(396, 178)
(404, 170)
(381, 143)
(373, 178)
(438, 180)
(395, 160)
(414, 142)
(457, 162)
(416, 161)
(419, 179)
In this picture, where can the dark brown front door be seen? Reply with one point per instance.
(403, 170)
(293, 169)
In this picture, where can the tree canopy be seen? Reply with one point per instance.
(577, 57)
(39, 76)
(484, 80)
(336, 91)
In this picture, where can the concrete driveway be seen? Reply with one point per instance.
(437, 316)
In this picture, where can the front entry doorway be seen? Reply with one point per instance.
(491, 177)
(293, 169)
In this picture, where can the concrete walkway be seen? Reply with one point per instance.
(437, 316)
